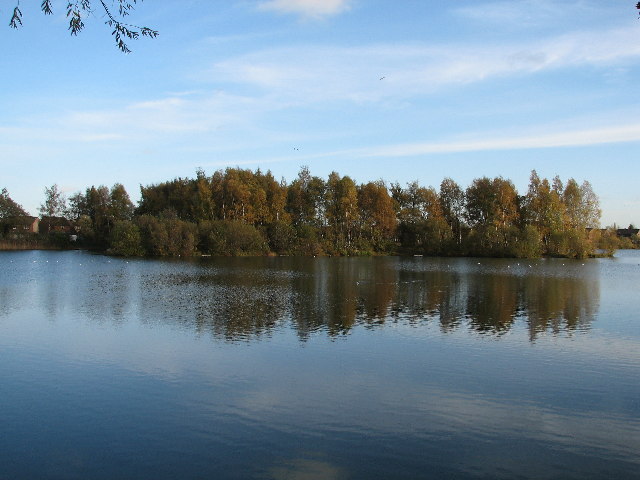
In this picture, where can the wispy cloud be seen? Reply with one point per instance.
(569, 138)
(519, 12)
(317, 74)
(187, 113)
(306, 8)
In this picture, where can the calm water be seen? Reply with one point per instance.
(297, 368)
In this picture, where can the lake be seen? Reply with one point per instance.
(318, 368)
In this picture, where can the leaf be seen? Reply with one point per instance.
(46, 7)
(16, 18)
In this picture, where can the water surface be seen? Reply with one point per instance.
(332, 368)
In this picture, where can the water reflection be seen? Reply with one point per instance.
(248, 298)
(307, 469)
(95, 344)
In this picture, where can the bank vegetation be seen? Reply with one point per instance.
(243, 212)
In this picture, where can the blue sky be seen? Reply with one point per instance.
(399, 90)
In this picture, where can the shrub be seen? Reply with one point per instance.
(528, 243)
(220, 237)
(126, 240)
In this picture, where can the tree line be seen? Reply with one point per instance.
(242, 212)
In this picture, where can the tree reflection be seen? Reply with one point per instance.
(243, 299)
(555, 304)
(335, 295)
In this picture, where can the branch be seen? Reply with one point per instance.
(78, 9)
(16, 18)
(124, 30)
(46, 8)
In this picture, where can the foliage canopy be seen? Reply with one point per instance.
(8, 207)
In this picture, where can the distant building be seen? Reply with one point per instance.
(628, 232)
(16, 225)
(55, 224)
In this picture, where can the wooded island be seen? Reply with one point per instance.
(243, 212)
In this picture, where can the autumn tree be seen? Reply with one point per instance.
(492, 212)
(244, 212)
(581, 214)
(275, 194)
(543, 207)
(377, 220)
(203, 205)
(572, 199)
(232, 194)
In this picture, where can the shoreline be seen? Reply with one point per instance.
(4, 247)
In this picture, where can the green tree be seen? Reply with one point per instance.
(76, 206)
(203, 208)
(177, 195)
(543, 208)
(181, 237)
(9, 208)
(97, 209)
(55, 203)
(114, 12)
(480, 202)
(492, 211)
(125, 239)
(231, 237)
(341, 211)
(452, 203)
(527, 242)
(422, 225)
(305, 200)
(120, 205)
(167, 235)
(154, 235)
(281, 237)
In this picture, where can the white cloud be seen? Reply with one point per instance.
(311, 74)
(571, 138)
(207, 117)
(516, 14)
(307, 8)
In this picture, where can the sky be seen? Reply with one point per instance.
(375, 89)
